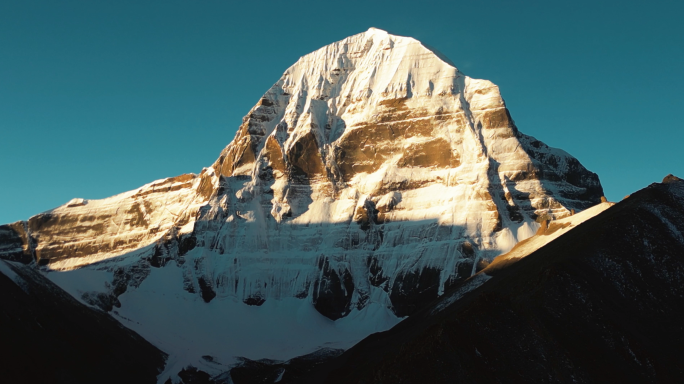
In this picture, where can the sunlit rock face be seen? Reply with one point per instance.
(370, 177)
(83, 232)
(372, 161)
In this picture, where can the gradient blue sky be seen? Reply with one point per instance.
(97, 98)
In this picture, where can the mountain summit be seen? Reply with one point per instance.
(368, 179)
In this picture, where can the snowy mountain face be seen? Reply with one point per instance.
(372, 176)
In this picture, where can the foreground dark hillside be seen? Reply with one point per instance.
(603, 303)
(48, 337)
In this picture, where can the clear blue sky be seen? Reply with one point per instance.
(100, 97)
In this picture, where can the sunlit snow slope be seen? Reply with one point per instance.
(369, 178)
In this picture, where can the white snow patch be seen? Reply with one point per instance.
(562, 227)
(79, 281)
(76, 202)
(506, 240)
(184, 326)
(280, 376)
(471, 284)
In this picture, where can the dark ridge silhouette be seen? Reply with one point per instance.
(603, 303)
(49, 337)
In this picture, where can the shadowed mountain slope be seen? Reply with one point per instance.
(602, 303)
(48, 337)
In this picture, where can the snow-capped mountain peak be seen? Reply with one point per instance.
(368, 179)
